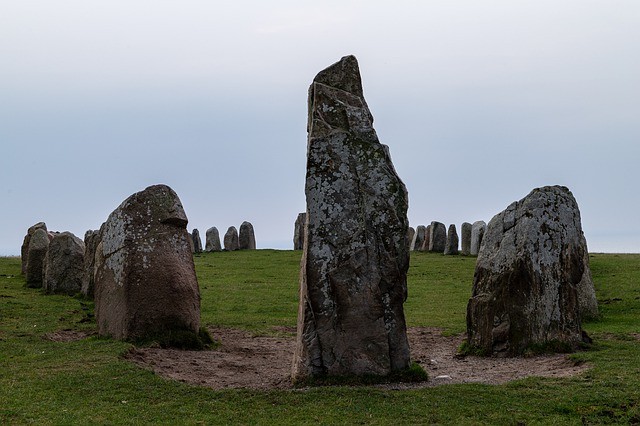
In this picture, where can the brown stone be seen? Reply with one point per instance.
(64, 265)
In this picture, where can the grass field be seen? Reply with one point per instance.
(88, 382)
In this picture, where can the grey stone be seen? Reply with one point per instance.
(298, 231)
(586, 290)
(477, 233)
(525, 289)
(418, 238)
(427, 239)
(231, 239)
(38, 247)
(145, 282)
(465, 236)
(353, 279)
(213, 240)
(410, 234)
(246, 237)
(197, 242)
(451, 246)
(437, 237)
(64, 265)
(24, 250)
(91, 241)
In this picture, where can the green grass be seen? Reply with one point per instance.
(88, 382)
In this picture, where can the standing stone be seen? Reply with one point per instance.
(410, 234)
(427, 239)
(437, 237)
(91, 240)
(586, 290)
(465, 234)
(64, 265)
(38, 246)
(477, 233)
(298, 231)
(145, 283)
(24, 250)
(246, 238)
(213, 240)
(231, 239)
(418, 238)
(527, 273)
(353, 279)
(197, 242)
(452, 241)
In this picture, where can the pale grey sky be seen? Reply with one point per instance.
(479, 103)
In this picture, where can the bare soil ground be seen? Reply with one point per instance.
(258, 362)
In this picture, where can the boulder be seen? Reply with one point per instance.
(451, 246)
(24, 250)
(353, 279)
(246, 237)
(145, 282)
(418, 238)
(525, 288)
(91, 240)
(437, 237)
(64, 265)
(465, 236)
(298, 231)
(36, 254)
(231, 239)
(410, 234)
(586, 290)
(477, 233)
(197, 242)
(213, 240)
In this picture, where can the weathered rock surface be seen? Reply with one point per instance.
(231, 239)
(38, 246)
(146, 287)
(465, 237)
(525, 289)
(353, 279)
(64, 265)
(197, 242)
(410, 234)
(91, 240)
(427, 239)
(451, 246)
(586, 290)
(246, 237)
(437, 237)
(213, 240)
(477, 233)
(24, 250)
(418, 238)
(298, 231)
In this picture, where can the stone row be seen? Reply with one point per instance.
(438, 239)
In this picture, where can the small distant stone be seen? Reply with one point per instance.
(213, 240)
(298, 231)
(91, 241)
(465, 236)
(197, 242)
(24, 250)
(410, 234)
(231, 239)
(64, 265)
(246, 237)
(477, 233)
(437, 237)
(451, 247)
(418, 238)
(36, 254)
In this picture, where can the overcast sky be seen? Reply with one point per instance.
(478, 101)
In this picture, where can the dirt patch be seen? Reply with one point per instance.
(68, 335)
(258, 362)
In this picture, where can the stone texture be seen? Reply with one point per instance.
(353, 279)
(213, 240)
(437, 237)
(231, 239)
(64, 265)
(525, 289)
(246, 237)
(145, 283)
(298, 231)
(410, 234)
(477, 233)
(24, 250)
(418, 238)
(465, 237)
(451, 247)
(38, 246)
(91, 241)
(586, 290)
(197, 242)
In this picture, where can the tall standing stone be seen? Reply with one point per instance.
(197, 242)
(477, 233)
(64, 265)
(91, 240)
(410, 234)
(418, 238)
(465, 236)
(246, 237)
(525, 288)
(213, 240)
(231, 239)
(298, 231)
(145, 283)
(36, 254)
(24, 250)
(437, 237)
(353, 279)
(452, 241)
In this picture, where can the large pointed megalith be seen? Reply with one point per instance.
(353, 279)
